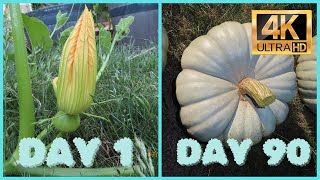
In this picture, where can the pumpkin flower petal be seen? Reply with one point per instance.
(78, 67)
(54, 83)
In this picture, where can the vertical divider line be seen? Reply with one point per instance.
(318, 78)
(1, 99)
(159, 89)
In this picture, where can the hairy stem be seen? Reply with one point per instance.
(26, 108)
(108, 56)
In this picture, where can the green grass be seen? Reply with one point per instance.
(126, 96)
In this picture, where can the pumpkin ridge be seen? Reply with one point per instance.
(210, 75)
(209, 123)
(207, 97)
(230, 66)
(207, 117)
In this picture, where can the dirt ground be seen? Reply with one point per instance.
(186, 22)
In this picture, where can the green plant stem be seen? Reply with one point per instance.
(11, 169)
(26, 108)
(44, 132)
(108, 56)
(96, 116)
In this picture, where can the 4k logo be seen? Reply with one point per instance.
(281, 31)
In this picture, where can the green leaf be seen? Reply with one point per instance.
(100, 26)
(104, 40)
(61, 20)
(38, 33)
(123, 27)
(64, 35)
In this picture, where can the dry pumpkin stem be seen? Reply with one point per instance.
(261, 94)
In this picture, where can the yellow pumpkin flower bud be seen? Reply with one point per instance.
(76, 82)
